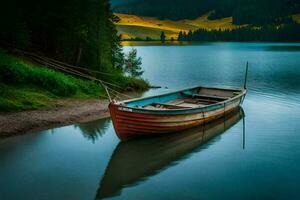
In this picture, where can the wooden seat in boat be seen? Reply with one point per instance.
(164, 106)
(193, 101)
(202, 96)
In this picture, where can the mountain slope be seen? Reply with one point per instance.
(132, 26)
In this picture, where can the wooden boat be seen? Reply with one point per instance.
(173, 111)
(135, 161)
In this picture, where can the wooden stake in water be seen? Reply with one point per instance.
(246, 76)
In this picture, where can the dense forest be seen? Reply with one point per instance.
(259, 12)
(76, 33)
(242, 11)
(284, 33)
(79, 32)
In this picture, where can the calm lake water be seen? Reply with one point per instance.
(218, 161)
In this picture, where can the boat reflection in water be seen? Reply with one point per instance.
(133, 161)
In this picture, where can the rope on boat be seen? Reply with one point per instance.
(76, 67)
(74, 70)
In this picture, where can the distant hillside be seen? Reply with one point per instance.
(132, 26)
(258, 12)
(138, 27)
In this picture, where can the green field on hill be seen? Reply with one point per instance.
(132, 26)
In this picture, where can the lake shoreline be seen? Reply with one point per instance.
(60, 113)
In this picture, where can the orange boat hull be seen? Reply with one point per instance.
(130, 124)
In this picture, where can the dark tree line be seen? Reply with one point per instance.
(258, 12)
(79, 32)
(284, 33)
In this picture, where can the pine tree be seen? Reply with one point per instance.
(162, 37)
(190, 36)
(180, 36)
(132, 64)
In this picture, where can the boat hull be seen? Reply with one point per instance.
(130, 122)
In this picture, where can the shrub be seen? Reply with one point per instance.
(11, 75)
(57, 83)
(136, 84)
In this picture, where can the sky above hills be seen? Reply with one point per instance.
(120, 2)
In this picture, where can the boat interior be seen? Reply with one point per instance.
(192, 98)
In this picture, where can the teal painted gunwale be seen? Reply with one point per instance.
(128, 105)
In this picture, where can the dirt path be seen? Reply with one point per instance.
(62, 112)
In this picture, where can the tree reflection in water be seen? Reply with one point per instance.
(95, 129)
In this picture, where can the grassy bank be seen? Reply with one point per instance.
(25, 86)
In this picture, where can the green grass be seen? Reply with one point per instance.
(23, 98)
(26, 86)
